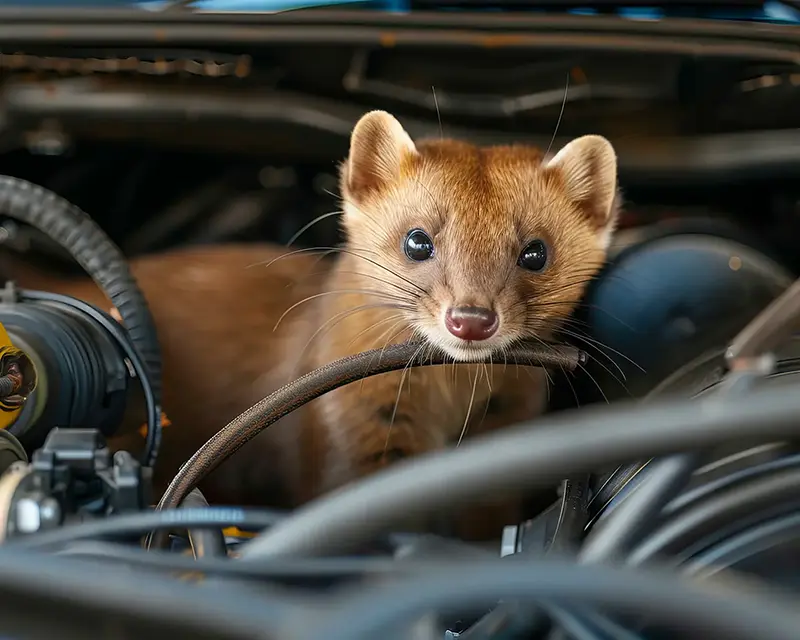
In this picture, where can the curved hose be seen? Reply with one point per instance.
(102, 260)
(249, 424)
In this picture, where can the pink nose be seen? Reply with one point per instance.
(471, 323)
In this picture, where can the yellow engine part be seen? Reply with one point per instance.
(11, 407)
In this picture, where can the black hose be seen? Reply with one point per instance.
(312, 570)
(570, 525)
(716, 612)
(204, 542)
(525, 455)
(756, 499)
(137, 524)
(82, 600)
(102, 260)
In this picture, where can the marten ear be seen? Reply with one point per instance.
(588, 168)
(378, 147)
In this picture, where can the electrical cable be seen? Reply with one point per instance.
(137, 524)
(745, 544)
(81, 601)
(102, 260)
(204, 542)
(123, 339)
(713, 487)
(301, 569)
(717, 612)
(638, 513)
(246, 426)
(570, 525)
(524, 455)
(772, 494)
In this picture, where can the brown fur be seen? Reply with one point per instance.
(215, 309)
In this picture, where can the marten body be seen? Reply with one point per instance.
(471, 248)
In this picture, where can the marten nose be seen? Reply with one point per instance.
(471, 323)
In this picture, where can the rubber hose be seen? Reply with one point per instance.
(91, 248)
(249, 424)
(204, 542)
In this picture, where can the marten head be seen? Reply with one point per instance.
(484, 245)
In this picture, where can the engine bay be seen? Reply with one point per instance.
(662, 482)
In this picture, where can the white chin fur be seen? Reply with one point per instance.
(462, 351)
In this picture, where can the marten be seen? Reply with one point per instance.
(468, 248)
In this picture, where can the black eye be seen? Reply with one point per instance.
(533, 256)
(418, 245)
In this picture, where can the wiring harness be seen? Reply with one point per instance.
(678, 517)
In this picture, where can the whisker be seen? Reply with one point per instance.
(336, 319)
(596, 384)
(438, 113)
(600, 346)
(375, 325)
(399, 393)
(560, 115)
(469, 407)
(377, 294)
(268, 263)
(306, 227)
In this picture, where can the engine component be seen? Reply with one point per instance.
(72, 476)
(84, 362)
(725, 496)
(82, 355)
(686, 291)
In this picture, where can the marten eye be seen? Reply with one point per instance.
(418, 245)
(533, 256)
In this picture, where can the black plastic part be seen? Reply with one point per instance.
(77, 470)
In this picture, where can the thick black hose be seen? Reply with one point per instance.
(46, 596)
(372, 610)
(530, 454)
(102, 260)
(638, 513)
(760, 497)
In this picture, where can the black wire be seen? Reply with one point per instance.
(638, 513)
(522, 456)
(301, 569)
(137, 524)
(745, 544)
(374, 609)
(739, 504)
(572, 519)
(153, 438)
(70, 598)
